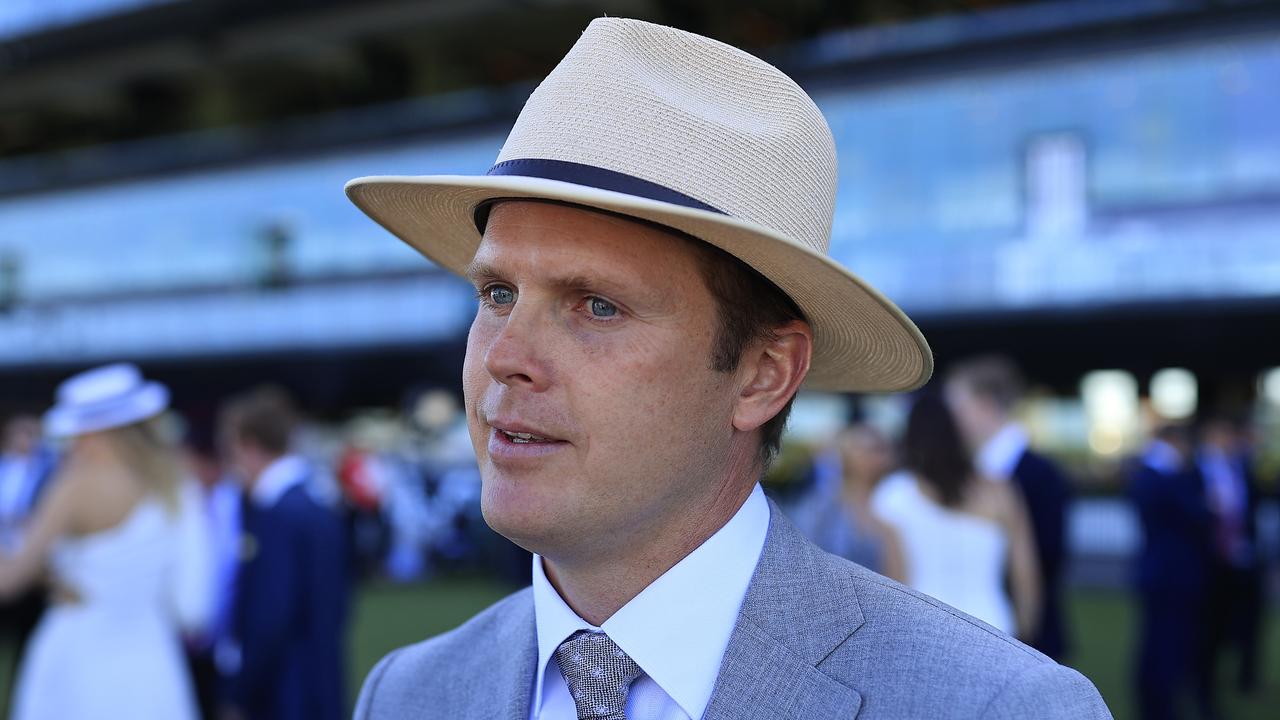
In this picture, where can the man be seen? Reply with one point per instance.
(982, 393)
(1235, 589)
(1172, 570)
(285, 658)
(25, 470)
(650, 257)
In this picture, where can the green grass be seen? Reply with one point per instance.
(1105, 625)
(388, 616)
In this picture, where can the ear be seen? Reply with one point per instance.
(771, 372)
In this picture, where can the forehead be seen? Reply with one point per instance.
(573, 240)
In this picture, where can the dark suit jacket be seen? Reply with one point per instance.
(1047, 494)
(290, 612)
(1177, 527)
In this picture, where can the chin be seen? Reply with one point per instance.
(520, 516)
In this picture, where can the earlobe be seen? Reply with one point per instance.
(771, 374)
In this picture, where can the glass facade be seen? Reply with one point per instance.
(1144, 175)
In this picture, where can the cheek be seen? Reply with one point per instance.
(654, 404)
(475, 378)
(474, 374)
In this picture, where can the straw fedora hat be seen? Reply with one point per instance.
(104, 398)
(674, 128)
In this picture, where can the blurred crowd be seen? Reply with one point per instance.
(212, 565)
(165, 570)
(963, 509)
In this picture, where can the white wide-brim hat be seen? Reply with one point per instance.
(104, 398)
(674, 128)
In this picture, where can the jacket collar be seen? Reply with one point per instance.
(798, 609)
(509, 677)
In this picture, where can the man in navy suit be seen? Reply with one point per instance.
(1172, 571)
(25, 469)
(982, 393)
(285, 660)
(1234, 603)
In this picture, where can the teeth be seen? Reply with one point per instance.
(521, 437)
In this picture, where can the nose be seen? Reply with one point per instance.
(516, 356)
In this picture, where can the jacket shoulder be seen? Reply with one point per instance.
(421, 676)
(909, 641)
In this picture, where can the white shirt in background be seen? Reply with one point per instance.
(1000, 455)
(279, 478)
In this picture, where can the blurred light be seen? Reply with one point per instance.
(887, 412)
(1270, 386)
(1106, 442)
(1111, 408)
(817, 417)
(1057, 204)
(1174, 393)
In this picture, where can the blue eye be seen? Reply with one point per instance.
(501, 295)
(603, 308)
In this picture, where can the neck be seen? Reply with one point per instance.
(857, 491)
(990, 431)
(257, 467)
(596, 585)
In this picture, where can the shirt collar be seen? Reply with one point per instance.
(279, 478)
(675, 630)
(1000, 455)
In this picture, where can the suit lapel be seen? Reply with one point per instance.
(796, 612)
(508, 672)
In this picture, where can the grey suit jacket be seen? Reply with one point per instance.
(817, 637)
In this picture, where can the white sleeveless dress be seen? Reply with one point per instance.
(118, 652)
(956, 557)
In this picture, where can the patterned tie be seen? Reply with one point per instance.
(599, 675)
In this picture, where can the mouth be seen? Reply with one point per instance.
(511, 442)
(524, 438)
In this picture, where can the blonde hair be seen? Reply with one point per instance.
(145, 449)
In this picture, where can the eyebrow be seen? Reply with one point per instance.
(480, 272)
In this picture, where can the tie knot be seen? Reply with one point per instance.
(598, 673)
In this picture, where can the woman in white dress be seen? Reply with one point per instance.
(121, 538)
(961, 534)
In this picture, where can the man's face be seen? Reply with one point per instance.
(866, 454)
(975, 416)
(21, 436)
(590, 397)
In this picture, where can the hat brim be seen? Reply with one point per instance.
(862, 341)
(145, 402)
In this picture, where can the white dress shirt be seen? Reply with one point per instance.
(1000, 455)
(279, 478)
(676, 629)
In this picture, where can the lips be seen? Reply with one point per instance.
(517, 443)
(521, 432)
(523, 438)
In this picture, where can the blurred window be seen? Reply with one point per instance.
(24, 17)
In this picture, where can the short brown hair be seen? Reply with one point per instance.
(264, 416)
(749, 307)
(993, 377)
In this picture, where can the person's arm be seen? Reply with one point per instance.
(268, 623)
(1024, 571)
(52, 519)
(893, 557)
(192, 594)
